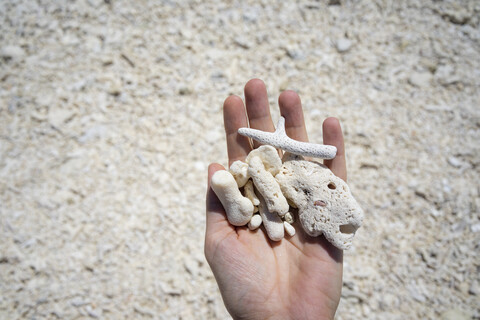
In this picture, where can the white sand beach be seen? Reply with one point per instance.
(111, 111)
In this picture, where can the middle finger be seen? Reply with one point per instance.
(258, 108)
(291, 110)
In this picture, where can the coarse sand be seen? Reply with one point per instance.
(111, 111)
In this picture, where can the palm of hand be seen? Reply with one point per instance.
(297, 277)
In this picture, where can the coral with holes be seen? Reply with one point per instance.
(324, 201)
(280, 187)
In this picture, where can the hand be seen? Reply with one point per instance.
(299, 277)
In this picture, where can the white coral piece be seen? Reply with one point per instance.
(238, 208)
(289, 217)
(324, 201)
(271, 221)
(279, 139)
(255, 222)
(269, 156)
(289, 229)
(249, 192)
(239, 170)
(268, 187)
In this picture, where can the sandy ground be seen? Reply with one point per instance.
(110, 112)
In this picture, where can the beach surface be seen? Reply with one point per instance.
(111, 111)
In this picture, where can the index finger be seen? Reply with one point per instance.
(258, 108)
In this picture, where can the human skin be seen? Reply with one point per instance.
(299, 277)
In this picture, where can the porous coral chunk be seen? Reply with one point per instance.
(324, 201)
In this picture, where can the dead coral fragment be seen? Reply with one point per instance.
(249, 192)
(269, 156)
(238, 208)
(271, 221)
(267, 187)
(280, 140)
(239, 170)
(289, 229)
(324, 201)
(255, 222)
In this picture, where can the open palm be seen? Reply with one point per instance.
(299, 277)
